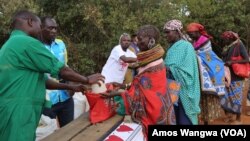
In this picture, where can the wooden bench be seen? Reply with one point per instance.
(81, 129)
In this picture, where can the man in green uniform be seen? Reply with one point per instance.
(23, 62)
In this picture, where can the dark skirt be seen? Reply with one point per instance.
(181, 117)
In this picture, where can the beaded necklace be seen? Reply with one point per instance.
(151, 55)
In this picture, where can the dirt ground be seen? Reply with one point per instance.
(245, 119)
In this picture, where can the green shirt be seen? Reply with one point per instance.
(23, 62)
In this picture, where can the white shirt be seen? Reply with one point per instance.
(114, 70)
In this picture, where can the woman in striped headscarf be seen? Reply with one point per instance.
(181, 62)
(232, 101)
(212, 73)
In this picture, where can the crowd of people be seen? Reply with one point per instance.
(33, 60)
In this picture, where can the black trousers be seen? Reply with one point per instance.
(64, 111)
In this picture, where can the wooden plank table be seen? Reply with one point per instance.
(81, 129)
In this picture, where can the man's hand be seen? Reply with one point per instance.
(117, 85)
(110, 94)
(133, 65)
(78, 88)
(95, 78)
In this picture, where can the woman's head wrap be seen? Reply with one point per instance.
(174, 25)
(193, 27)
(230, 35)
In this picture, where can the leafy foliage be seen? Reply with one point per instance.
(7, 9)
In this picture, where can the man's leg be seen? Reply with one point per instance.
(49, 112)
(66, 112)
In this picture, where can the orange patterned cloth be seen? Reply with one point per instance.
(148, 101)
(174, 88)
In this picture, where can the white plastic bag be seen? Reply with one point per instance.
(46, 127)
(81, 104)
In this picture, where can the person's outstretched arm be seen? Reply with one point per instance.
(54, 85)
(70, 75)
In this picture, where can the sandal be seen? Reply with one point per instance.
(228, 119)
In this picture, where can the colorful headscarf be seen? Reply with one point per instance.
(174, 25)
(192, 27)
(230, 35)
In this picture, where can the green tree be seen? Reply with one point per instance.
(7, 7)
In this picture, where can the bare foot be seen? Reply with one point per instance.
(127, 119)
(228, 119)
(236, 122)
